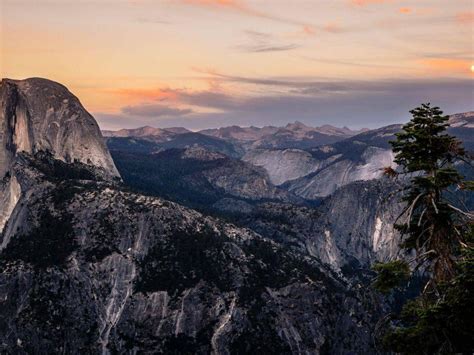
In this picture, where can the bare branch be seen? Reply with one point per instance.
(468, 214)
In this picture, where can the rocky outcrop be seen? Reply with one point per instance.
(340, 172)
(285, 165)
(38, 115)
(10, 193)
(349, 230)
(359, 218)
(41, 115)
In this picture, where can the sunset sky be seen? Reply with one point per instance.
(211, 63)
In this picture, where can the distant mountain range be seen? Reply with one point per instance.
(312, 162)
(293, 135)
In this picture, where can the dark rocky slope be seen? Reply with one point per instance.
(196, 177)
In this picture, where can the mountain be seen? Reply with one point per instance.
(462, 126)
(146, 131)
(196, 177)
(232, 140)
(87, 266)
(334, 231)
(293, 135)
(40, 115)
(317, 172)
(169, 140)
(349, 230)
(283, 165)
(465, 120)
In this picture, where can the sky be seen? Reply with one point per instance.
(214, 63)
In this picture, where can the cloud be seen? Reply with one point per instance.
(210, 99)
(352, 103)
(258, 42)
(145, 94)
(346, 63)
(333, 27)
(258, 34)
(153, 21)
(466, 17)
(367, 2)
(463, 55)
(235, 6)
(242, 8)
(309, 30)
(405, 10)
(270, 48)
(447, 65)
(154, 110)
(289, 82)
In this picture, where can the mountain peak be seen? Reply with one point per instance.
(37, 114)
(297, 125)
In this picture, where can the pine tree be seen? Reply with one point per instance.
(440, 235)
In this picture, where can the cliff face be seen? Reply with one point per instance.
(350, 229)
(341, 172)
(283, 165)
(41, 115)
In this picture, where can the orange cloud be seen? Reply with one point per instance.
(466, 17)
(309, 30)
(144, 94)
(241, 7)
(367, 2)
(446, 65)
(227, 4)
(332, 27)
(405, 10)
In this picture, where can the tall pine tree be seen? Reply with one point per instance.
(439, 233)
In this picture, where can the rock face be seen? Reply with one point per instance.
(338, 171)
(284, 165)
(358, 218)
(88, 267)
(41, 115)
(349, 230)
(197, 177)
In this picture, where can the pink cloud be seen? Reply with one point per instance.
(405, 10)
(466, 17)
(241, 7)
(367, 2)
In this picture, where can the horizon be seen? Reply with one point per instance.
(279, 126)
(354, 63)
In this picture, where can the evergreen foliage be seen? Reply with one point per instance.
(440, 319)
